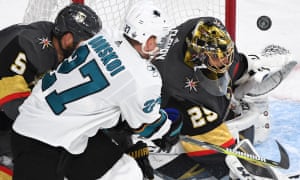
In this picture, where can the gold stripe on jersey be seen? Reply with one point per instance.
(13, 87)
(220, 136)
(5, 173)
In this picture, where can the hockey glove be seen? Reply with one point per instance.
(265, 71)
(140, 153)
(172, 136)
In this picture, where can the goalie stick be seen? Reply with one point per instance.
(260, 161)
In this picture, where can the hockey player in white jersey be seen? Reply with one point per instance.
(59, 130)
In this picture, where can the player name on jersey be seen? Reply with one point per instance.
(108, 56)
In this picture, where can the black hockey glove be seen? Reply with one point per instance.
(140, 153)
(172, 136)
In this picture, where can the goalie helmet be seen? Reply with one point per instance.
(210, 46)
(78, 19)
(145, 20)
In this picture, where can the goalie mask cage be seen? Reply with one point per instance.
(112, 12)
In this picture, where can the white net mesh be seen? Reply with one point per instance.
(112, 12)
(39, 10)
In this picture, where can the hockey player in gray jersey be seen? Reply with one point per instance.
(203, 73)
(59, 131)
(27, 51)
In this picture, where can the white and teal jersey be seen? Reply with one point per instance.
(104, 77)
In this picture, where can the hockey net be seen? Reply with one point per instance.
(112, 12)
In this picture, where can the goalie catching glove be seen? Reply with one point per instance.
(172, 136)
(265, 72)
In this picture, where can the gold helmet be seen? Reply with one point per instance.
(210, 46)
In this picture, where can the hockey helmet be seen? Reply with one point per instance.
(144, 20)
(78, 19)
(210, 46)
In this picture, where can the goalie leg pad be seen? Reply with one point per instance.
(246, 170)
(237, 170)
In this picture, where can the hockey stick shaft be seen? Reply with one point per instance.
(284, 163)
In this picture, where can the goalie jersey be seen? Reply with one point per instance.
(203, 106)
(26, 52)
(104, 78)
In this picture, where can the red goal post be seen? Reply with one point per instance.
(112, 12)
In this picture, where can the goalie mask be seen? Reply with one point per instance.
(210, 46)
(144, 20)
(210, 53)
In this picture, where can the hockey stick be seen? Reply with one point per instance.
(284, 158)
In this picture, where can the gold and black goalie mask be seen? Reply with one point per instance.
(210, 46)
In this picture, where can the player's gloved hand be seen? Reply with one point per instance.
(140, 153)
(273, 58)
(172, 136)
(265, 71)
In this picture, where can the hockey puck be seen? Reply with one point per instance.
(264, 23)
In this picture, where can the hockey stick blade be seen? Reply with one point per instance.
(284, 158)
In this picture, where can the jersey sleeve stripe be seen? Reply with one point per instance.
(147, 130)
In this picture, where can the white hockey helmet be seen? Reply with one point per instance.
(144, 20)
